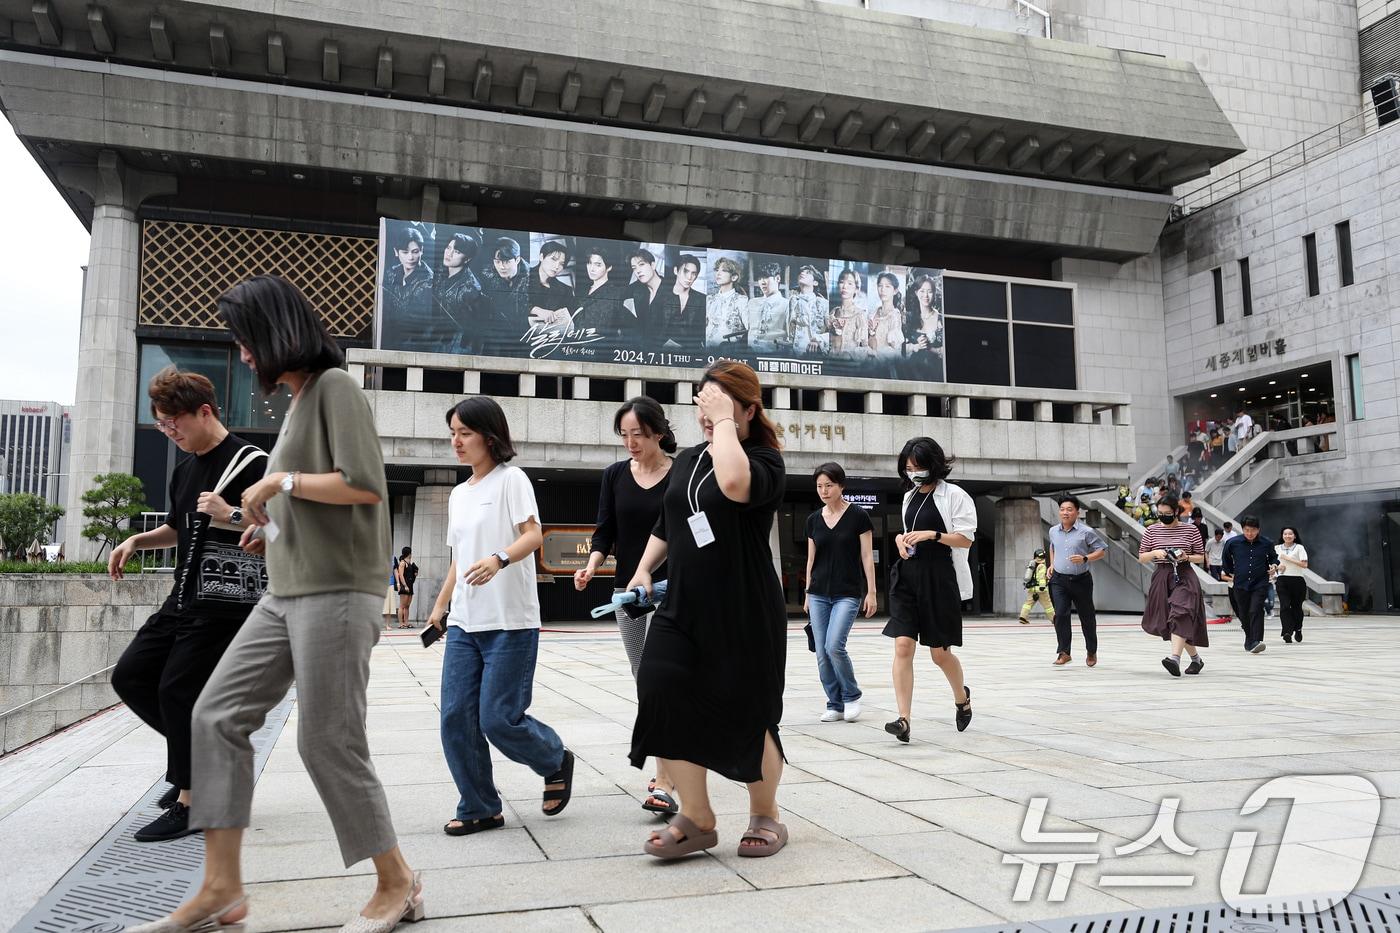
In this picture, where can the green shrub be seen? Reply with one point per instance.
(68, 566)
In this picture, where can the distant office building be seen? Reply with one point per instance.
(34, 439)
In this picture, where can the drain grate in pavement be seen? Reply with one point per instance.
(121, 882)
(1374, 910)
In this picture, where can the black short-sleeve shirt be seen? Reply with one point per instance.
(200, 473)
(837, 570)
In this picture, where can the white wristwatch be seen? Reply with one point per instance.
(289, 482)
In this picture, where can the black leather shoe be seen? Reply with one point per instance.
(965, 710)
(899, 729)
(168, 798)
(1298, 636)
(1288, 638)
(172, 824)
(1197, 663)
(1173, 665)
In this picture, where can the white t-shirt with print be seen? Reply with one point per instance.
(482, 518)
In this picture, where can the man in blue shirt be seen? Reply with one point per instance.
(1073, 547)
(1248, 566)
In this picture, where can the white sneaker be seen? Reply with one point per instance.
(831, 715)
(852, 712)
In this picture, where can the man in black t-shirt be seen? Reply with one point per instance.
(163, 670)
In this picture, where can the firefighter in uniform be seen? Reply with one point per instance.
(1037, 588)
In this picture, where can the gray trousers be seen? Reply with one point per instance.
(322, 643)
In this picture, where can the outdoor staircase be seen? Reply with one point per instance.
(1222, 497)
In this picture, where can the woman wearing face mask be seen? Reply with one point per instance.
(1292, 588)
(840, 567)
(931, 578)
(710, 685)
(1175, 610)
(629, 504)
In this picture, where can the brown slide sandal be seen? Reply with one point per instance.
(693, 839)
(760, 829)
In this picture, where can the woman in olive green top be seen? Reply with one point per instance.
(321, 516)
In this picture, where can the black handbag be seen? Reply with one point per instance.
(219, 577)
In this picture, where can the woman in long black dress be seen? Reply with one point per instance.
(629, 504)
(710, 685)
(931, 577)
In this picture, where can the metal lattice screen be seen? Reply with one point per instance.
(186, 266)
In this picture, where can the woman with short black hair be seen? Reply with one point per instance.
(491, 615)
(629, 503)
(840, 583)
(321, 515)
(930, 578)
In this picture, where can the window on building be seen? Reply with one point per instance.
(211, 361)
(1310, 254)
(394, 379)
(501, 384)
(249, 408)
(442, 381)
(665, 392)
(1217, 277)
(1358, 394)
(1344, 269)
(1246, 294)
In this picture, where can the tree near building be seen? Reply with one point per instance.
(112, 503)
(24, 519)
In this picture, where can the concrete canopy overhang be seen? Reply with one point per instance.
(142, 109)
(792, 72)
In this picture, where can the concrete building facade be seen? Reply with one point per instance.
(977, 147)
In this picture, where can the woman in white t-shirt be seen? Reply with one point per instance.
(1292, 588)
(493, 626)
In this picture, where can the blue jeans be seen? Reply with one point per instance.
(487, 678)
(831, 623)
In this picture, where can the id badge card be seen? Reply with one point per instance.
(271, 531)
(700, 529)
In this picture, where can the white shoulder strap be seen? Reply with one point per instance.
(236, 465)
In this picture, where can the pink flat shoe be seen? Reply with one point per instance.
(692, 840)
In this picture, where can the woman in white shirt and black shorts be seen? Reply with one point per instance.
(930, 577)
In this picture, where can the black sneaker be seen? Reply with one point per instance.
(168, 798)
(1287, 638)
(1173, 665)
(1258, 648)
(172, 824)
(1298, 636)
(1195, 666)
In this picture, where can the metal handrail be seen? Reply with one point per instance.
(57, 690)
(1299, 154)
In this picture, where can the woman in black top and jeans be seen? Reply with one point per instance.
(629, 503)
(840, 568)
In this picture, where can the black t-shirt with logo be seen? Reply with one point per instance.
(199, 473)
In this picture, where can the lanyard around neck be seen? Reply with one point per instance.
(692, 488)
(927, 496)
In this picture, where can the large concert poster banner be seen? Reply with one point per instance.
(524, 294)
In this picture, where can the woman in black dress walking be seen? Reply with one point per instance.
(629, 503)
(710, 686)
(931, 577)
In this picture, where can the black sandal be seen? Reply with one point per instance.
(965, 710)
(667, 806)
(899, 729)
(469, 827)
(565, 776)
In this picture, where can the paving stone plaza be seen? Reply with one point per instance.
(884, 836)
